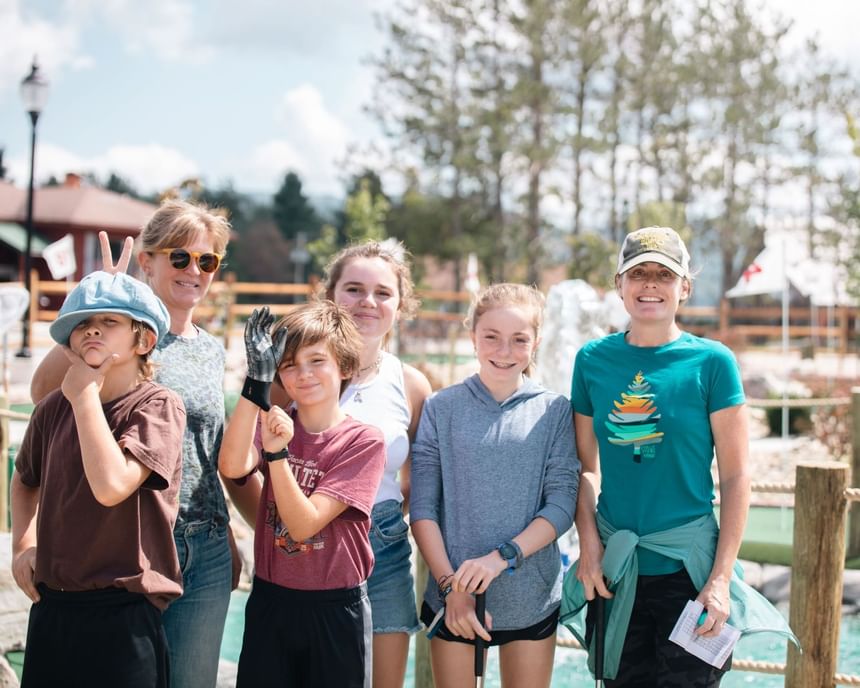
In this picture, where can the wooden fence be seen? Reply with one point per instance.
(229, 301)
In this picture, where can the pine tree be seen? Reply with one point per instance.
(634, 420)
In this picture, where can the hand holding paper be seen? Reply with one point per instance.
(714, 651)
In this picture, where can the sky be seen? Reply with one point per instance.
(227, 91)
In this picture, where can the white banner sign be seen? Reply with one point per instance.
(60, 257)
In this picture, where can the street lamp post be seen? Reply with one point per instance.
(34, 93)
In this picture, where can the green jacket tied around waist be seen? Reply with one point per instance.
(694, 544)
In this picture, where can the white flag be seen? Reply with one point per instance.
(60, 257)
(765, 275)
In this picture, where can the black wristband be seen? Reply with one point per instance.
(276, 456)
(257, 392)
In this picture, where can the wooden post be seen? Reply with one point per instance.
(423, 670)
(4, 466)
(853, 546)
(818, 561)
(33, 312)
(453, 336)
(229, 302)
(843, 329)
(725, 317)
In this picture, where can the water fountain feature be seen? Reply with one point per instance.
(575, 313)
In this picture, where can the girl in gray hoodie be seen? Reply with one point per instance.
(494, 483)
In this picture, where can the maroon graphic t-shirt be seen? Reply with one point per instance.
(345, 463)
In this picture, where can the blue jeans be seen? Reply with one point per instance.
(390, 586)
(195, 622)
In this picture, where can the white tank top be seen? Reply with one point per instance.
(382, 402)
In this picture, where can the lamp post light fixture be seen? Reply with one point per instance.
(34, 94)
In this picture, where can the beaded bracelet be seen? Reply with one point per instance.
(445, 587)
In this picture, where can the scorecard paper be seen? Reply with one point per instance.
(714, 651)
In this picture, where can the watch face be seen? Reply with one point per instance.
(507, 551)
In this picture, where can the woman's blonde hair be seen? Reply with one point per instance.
(176, 223)
(504, 295)
(323, 321)
(393, 253)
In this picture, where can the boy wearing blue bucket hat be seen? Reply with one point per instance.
(95, 497)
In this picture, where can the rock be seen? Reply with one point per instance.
(752, 573)
(776, 582)
(8, 679)
(851, 587)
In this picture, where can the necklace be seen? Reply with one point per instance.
(361, 371)
(375, 364)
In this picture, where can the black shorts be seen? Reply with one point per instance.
(108, 637)
(542, 629)
(306, 638)
(649, 659)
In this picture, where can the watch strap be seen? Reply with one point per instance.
(276, 456)
(511, 561)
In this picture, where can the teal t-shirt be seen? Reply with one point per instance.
(651, 411)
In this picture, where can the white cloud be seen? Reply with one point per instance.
(56, 44)
(148, 168)
(269, 162)
(51, 160)
(313, 143)
(302, 110)
(321, 30)
(833, 21)
(165, 27)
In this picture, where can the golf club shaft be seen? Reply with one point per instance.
(480, 608)
(599, 633)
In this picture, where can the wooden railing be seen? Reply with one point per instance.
(229, 301)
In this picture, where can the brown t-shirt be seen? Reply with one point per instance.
(82, 545)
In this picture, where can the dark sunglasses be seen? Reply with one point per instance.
(180, 259)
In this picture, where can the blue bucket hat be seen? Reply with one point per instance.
(102, 292)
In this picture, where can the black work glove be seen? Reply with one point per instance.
(263, 353)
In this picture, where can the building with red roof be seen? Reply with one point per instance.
(74, 208)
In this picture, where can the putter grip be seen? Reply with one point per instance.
(599, 633)
(480, 608)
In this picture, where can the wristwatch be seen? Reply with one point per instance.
(276, 456)
(511, 553)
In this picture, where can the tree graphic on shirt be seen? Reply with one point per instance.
(634, 420)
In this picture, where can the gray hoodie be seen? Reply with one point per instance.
(483, 471)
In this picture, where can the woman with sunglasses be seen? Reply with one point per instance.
(179, 251)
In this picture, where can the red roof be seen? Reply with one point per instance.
(84, 207)
(11, 200)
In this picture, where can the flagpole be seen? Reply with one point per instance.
(785, 341)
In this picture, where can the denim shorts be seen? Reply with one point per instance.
(391, 587)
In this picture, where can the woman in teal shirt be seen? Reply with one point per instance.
(652, 406)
